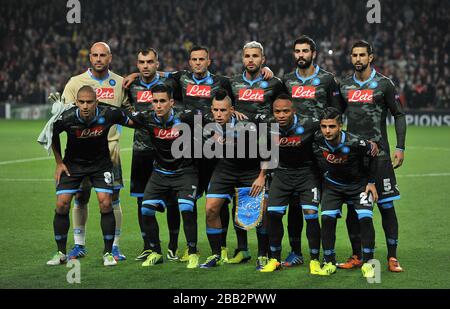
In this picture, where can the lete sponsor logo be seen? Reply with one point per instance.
(89, 132)
(335, 158)
(168, 134)
(104, 93)
(144, 96)
(360, 96)
(304, 92)
(256, 95)
(202, 91)
(292, 141)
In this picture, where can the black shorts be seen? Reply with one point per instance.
(226, 178)
(386, 182)
(141, 169)
(287, 183)
(101, 179)
(333, 196)
(205, 170)
(182, 184)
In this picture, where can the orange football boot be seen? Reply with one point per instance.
(394, 265)
(352, 262)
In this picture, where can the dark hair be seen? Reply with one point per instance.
(160, 88)
(331, 113)
(148, 50)
(362, 43)
(87, 88)
(221, 94)
(198, 47)
(304, 39)
(283, 96)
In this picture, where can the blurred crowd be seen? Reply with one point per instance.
(40, 50)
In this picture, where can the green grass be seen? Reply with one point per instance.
(26, 233)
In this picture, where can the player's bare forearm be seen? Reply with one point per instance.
(128, 80)
(267, 73)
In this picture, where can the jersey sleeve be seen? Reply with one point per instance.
(280, 88)
(225, 84)
(58, 126)
(69, 92)
(118, 116)
(334, 98)
(125, 101)
(396, 109)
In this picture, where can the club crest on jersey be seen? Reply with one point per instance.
(104, 93)
(304, 92)
(101, 120)
(112, 82)
(360, 96)
(144, 96)
(334, 158)
(264, 84)
(373, 85)
(316, 81)
(209, 81)
(345, 149)
(201, 91)
(169, 134)
(255, 95)
(89, 132)
(300, 130)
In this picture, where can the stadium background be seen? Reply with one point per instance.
(40, 51)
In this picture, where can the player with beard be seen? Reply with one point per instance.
(140, 97)
(253, 96)
(369, 96)
(108, 87)
(311, 89)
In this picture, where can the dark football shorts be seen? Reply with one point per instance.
(183, 184)
(101, 180)
(141, 170)
(333, 196)
(386, 182)
(226, 178)
(205, 170)
(302, 185)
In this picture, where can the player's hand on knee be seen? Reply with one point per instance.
(371, 189)
(61, 168)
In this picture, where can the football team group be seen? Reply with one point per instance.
(318, 163)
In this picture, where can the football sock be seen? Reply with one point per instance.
(295, 226)
(353, 229)
(367, 238)
(117, 210)
(241, 235)
(190, 230)
(79, 218)
(173, 222)
(276, 232)
(328, 234)
(313, 234)
(145, 238)
(263, 241)
(390, 227)
(214, 238)
(151, 228)
(225, 220)
(108, 225)
(61, 225)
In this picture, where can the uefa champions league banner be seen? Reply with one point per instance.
(425, 118)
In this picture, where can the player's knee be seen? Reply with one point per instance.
(105, 205)
(146, 211)
(62, 207)
(310, 212)
(184, 207)
(116, 195)
(82, 197)
(328, 219)
(212, 212)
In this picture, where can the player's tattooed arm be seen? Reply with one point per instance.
(60, 166)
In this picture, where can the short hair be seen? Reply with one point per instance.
(221, 94)
(362, 43)
(87, 88)
(162, 88)
(254, 44)
(197, 48)
(331, 113)
(146, 51)
(283, 96)
(304, 39)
